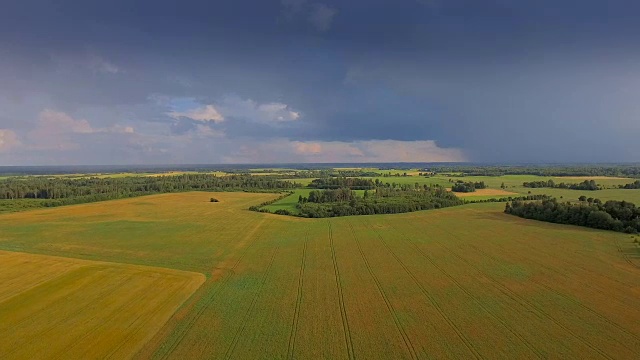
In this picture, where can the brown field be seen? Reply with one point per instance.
(464, 282)
(59, 307)
(485, 192)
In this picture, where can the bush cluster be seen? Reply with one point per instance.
(466, 187)
(382, 201)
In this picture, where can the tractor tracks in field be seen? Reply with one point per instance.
(516, 297)
(296, 314)
(569, 299)
(401, 330)
(343, 311)
(624, 255)
(254, 301)
(459, 286)
(210, 297)
(431, 299)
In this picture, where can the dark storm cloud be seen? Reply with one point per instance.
(500, 80)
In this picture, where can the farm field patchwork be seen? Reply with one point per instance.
(513, 185)
(462, 282)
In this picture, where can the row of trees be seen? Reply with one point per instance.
(612, 215)
(540, 170)
(51, 192)
(326, 173)
(343, 182)
(466, 187)
(589, 185)
(508, 198)
(380, 201)
(633, 185)
(61, 188)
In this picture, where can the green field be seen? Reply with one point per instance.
(462, 282)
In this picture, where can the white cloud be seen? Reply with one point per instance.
(321, 16)
(206, 131)
(120, 129)
(278, 112)
(52, 122)
(57, 130)
(228, 108)
(307, 148)
(55, 122)
(250, 110)
(100, 64)
(204, 114)
(8, 140)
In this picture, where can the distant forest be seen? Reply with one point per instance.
(61, 191)
(612, 215)
(540, 170)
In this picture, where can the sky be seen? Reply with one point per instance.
(283, 81)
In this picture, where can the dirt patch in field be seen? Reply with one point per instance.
(486, 192)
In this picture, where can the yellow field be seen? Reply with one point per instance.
(53, 307)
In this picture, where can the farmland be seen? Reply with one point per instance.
(415, 285)
(52, 307)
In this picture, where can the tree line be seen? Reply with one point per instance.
(540, 170)
(342, 182)
(379, 201)
(63, 191)
(633, 185)
(589, 185)
(612, 215)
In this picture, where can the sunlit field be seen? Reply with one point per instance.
(464, 282)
